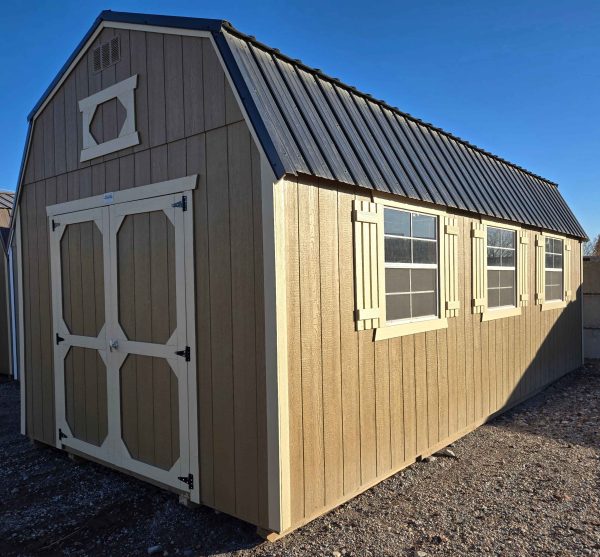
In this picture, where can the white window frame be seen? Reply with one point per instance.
(403, 327)
(500, 268)
(554, 304)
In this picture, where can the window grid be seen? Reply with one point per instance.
(414, 266)
(505, 248)
(553, 273)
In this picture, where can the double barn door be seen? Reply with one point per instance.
(125, 383)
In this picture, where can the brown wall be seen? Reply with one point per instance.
(360, 410)
(189, 122)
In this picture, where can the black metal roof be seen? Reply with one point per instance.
(309, 123)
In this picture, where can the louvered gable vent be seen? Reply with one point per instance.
(107, 54)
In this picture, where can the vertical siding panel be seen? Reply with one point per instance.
(421, 393)
(432, 394)
(396, 402)
(382, 406)
(243, 324)
(214, 88)
(476, 326)
(368, 428)
(71, 115)
(176, 159)
(409, 396)
(156, 89)
(464, 245)
(138, 52)
(196, 164)
(59, 139)
(193, 90)
(453, 367)
(468, 331)
(330, 325)
(220, 317)
(349, 348)
(485, 369)
(173, 89)
(126, 172)
(442, 353)
(159, 163)
(310, 327)
(294, 351)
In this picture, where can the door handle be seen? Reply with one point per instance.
(113, 344)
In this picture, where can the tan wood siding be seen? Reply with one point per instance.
(189, 123)
(359, 409)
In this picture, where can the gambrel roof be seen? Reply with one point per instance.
(311, 124)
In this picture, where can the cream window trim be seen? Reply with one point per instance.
(447, 230)
(480, 268)
(541, 268)
(124, 91)
(499, 313)
(412, 328)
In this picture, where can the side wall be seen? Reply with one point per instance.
(189, 122)
(5, 364)
(360, 410)
(591, 306)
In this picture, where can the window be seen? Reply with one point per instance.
(553, 270)
(501, 267)
(411, 265)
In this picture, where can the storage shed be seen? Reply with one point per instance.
(264, 290)
(6, 206)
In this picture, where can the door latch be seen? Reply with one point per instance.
(185, 353)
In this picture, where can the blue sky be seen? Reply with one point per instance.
(518, 78)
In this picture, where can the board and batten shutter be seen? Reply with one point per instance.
(369, 264)
(450, 250)
(479, 275)
(540, 277)
(567, 270)
(523, 268)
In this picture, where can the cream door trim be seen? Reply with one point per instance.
(177, 185)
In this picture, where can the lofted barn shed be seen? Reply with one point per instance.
(264, 290)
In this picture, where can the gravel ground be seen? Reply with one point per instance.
(525, 484)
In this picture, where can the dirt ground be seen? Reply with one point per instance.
(528, 483)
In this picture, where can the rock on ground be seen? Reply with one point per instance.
(525, 484)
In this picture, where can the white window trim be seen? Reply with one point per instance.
(554, 304)
(489, 314)
(400, 328)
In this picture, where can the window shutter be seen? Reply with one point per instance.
(479, 276)
(567, 270)
(450, 270)
(369, 266)
(540, 277)
(523, 269)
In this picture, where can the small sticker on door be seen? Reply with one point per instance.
(108, 197)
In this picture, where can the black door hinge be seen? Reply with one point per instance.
(181, 204)
(55, 225)
(61, 435)
(185, 353)
(189, 480)
(59, 339)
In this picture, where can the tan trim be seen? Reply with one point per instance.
(178, 185)
(414, 327)
(278, 443)
(500, 313)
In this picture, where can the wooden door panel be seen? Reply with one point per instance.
(82, 269)
(85, 395)
(149, 396)
(146, 277)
